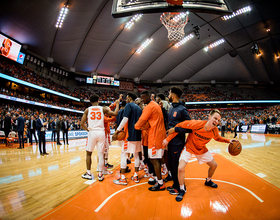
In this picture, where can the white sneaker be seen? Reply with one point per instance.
(120, 182)
(101, 178)
(87, 176)
(147, 175)
(107, 172)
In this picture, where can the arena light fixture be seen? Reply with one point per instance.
(129, 24)
(61, 16)
(184, 40)
(236, 13)
(144, 45)
(215, 44)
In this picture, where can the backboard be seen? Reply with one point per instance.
(123, 8)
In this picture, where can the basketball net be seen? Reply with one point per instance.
(175, 23)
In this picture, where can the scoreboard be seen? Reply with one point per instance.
(102, 80)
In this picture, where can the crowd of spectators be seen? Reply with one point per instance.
(250, 117)
(21, 95)
(27, 112)
(191, 94)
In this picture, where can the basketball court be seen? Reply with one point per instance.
(51, 187)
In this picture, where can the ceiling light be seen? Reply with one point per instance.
(183, 41)
(215, 44)
(144, 45)
(238, 12)
(129, 24)
(61, 16)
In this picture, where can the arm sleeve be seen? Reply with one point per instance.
(219, 138)
(185, 124)
(143, 118)
(123, 123)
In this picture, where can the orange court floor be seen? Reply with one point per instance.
(240, 195)
(246, 189)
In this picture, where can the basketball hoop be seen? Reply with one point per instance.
(175, 23)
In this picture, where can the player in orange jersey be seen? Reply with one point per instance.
(153, 114)
(94, 116)
(202, 133)
(107, 121)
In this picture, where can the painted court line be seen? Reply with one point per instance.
(242, 187)
(261, 175)
(111, 196)
(89, 182)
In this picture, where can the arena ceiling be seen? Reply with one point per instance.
(91, 40)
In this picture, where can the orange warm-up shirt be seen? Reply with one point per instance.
(145, 134)
(197, 140)
(156, 133)
(107, 121)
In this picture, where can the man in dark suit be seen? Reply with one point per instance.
(20, 130)
(53, 129)
(2, 123)
(7, 126)
(32, 129)
(58, 128)
(65, 127)
(41, 126)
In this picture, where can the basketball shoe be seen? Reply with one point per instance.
(135, 179)
(120, 181)
(157, 187)
(179, 197)
(87, 176)
(210, 183)
(101, 178)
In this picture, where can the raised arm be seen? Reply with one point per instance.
(112, 113)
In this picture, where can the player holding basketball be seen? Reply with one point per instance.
(94, 116)
(153, 114)
(202, 133)
(132, 144)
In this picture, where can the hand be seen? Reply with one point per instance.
(233, 140)
(114, 137)
(170, 131)
(117, 101)
(164, 143)
(121, 95)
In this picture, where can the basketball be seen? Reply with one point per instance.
(234, 148)
(146, 126)
(121, 136)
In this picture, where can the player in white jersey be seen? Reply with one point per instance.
(94, 116)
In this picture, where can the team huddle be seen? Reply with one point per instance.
(146, 123)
